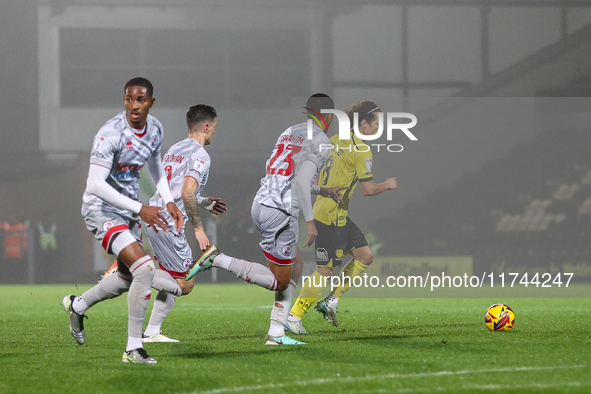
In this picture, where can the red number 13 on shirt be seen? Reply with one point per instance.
(284, 154)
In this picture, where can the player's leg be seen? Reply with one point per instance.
(250, 272)
(329, 254)
(285, 261)
(309, 294)
(107, 230)
(163, 304)
(362, 258)
(142, 269)
(268, 221)
(173, 255)
(280, 311)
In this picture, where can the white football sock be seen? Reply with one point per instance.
(164, 281)
(138, 299)
(279, 314)
(253, 273)
(162, 305)
(110, 286)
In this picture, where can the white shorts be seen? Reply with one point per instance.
(279, 233)
(171, 252)
(106, 225)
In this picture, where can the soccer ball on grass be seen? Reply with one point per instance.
(499, 317)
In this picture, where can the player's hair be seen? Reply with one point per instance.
(365, 109)
(140, 81)
(319, 101)
(200, 113)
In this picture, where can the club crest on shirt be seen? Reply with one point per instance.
(286, 250)
(108, 225)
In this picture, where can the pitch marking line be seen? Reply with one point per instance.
(388, 376)
(510, 388)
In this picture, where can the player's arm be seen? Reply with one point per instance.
(370, 188)
(303, 192)
(97, 185)
(363, 163)
(330, 192)
(188, 193)
(159, 176)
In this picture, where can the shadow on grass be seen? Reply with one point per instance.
(414, 328)
(236, 353)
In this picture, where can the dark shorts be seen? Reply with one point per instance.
(332, 242)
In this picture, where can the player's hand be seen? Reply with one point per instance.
(333, 192)
(312, 233)
(153, 217)
(216, 206)
(177, 215)
(391, 183)
(201, 238)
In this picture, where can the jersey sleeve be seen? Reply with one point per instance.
(198, 166)
(104, 149)
(363, 165)
(159, 136)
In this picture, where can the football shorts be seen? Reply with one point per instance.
(279, 233)
(334, 242)
(171, 251)
(107, 225)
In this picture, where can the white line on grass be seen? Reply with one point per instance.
(351, 379)
(472, 388)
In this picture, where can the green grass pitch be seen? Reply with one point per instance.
(382, 346)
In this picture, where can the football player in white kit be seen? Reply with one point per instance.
(285, 190)
(112, 211)
(187, 165)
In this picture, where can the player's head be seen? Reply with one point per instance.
(317, 102)
(202, 119)
(368, 120)
(138, 100)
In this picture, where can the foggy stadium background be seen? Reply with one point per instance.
(506, 195)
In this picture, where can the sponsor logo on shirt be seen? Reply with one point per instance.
(368, 164)
(127, 171)
(187, 263)
(154, 141)
(129, 145)
(321, 254)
